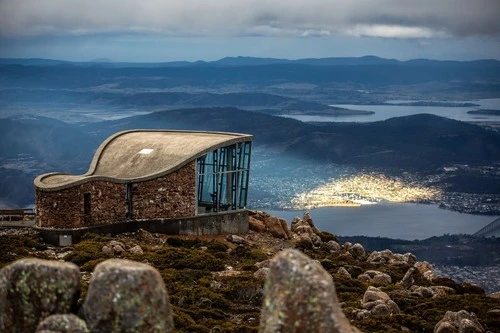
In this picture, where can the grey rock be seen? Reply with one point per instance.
(117, 249)
(378, 302)
(380, 310)
(304, 241)
(343, 272)
(107, 250)
(125, 295)
(136, 250)
(357, 250)
(263, 263)
(375, 276)
(374, 294)
(32, 289)
(408, 280)
(300, 297)
(62, 323)
(441, 291)
(424, 292)
(333, 246)
(147, 237)
(362, 314)
(236, 239)
(387, 257)
(426, 270)
(459, 322)
(261, 274)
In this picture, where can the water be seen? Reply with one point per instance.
(383, 112)
(402, 221)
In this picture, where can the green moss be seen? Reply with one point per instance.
(243, 252)
(243, 289)
(90, 265)
(14, 247)
(85, 251)
(326, 237)
(327, 264)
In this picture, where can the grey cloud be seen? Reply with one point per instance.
(377, 18)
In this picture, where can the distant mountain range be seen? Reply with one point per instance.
(248, 61)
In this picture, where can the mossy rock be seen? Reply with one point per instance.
(32, 289)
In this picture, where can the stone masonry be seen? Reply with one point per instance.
(165, 197)
(65, 208)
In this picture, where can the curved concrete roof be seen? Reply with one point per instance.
(140, 155)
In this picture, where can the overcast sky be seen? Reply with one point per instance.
(155, 30)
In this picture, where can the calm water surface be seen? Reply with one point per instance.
(383, 112)
(403, 221)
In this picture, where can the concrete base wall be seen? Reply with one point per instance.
(235, 222)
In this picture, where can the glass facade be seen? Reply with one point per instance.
(222, 178)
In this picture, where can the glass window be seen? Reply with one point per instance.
(223, 178)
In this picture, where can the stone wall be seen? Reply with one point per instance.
(173, 195)
(166, 197)
(65, 208)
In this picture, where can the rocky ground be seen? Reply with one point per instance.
(233, 284)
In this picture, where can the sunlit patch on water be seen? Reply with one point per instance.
(363, 189)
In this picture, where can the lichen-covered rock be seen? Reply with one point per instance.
(136, 250)
(441, 291)
(426, 270)
(307, 218)
(373, 294)
(343, 272)
(305, 226)
(387, 257)
(263, 222)
(333, 246)
(263, 263)
(261, 273)
(304, 241)
(424, 292)
(458, 322)
(62, 323)
(357, 250)
(147, 237)
(107, 250)
(375, 276)
(408, 280)
(275, 227)
(124, 295)
(256, 225)
(378, 302)
(236, 239)
(32, 289)
(300, 297)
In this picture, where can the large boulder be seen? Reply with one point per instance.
(375, 276)
(125, 295)
(263, 222)
(32, 289)
(357, 251)
(256, 225)
(387, 257)
(378, 302)
(333, 246)
(408, 279)
(459, 322)
(300, 297)
(62, 323)
(426, 270)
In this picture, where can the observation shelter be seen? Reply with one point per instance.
(172, 182)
